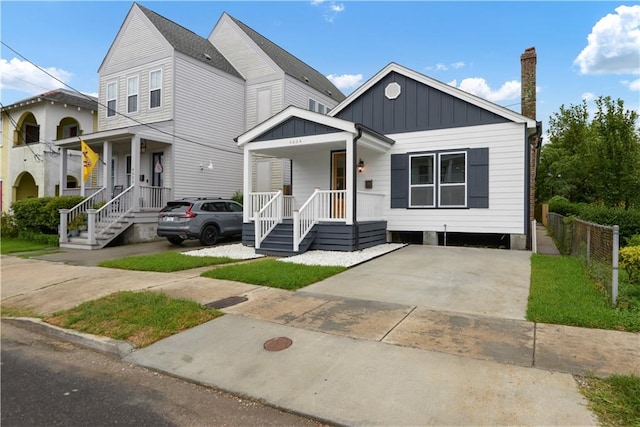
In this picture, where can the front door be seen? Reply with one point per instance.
(158, 169)
(338, 182)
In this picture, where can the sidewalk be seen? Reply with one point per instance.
(353, 361)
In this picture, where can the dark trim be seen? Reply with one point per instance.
(354, 186)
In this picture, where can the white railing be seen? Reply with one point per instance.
(79, 211)
(76, 191)
(287, 208)
(323, 205)
(256, 201)
(370, 206)
(154, 197)
(108, 215)
(268, 217)
(332, 205)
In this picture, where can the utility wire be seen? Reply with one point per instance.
(117, 112)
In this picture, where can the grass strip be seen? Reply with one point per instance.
(615, 400)
(274, 273)
(138, 317)
(17, 312)
(165, 262)
(562, 293)
(10, 246)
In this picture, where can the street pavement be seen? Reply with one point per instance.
(356, 360)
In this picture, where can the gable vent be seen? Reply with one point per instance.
(207, 57)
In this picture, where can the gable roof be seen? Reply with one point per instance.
(438, 85)
(189, 43)
(60, 96)
(292, 65)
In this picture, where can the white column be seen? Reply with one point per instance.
(349, 180)
(63, 170)
(135, 171)
(246, 185)
(106, 157)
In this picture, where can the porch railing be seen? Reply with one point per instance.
(323, 205)
(154, 197)
(256, 201)
(79, 210)
(370, 206)
(268, 217)
(76, 191)
(108, 215)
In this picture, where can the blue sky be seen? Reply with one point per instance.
(585, 49)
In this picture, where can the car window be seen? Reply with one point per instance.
(176, 207)
(218, 207)
(234, 207)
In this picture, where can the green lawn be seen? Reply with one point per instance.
(562, 293)
(11, 246)
(138, 317)
(273, 273)
(164, 262)
(615, 400)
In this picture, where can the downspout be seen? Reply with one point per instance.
(530, 144)
(354, 200)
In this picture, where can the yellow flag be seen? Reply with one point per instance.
(89, 160)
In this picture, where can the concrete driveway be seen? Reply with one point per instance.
(465, 280)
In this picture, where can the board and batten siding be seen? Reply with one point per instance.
(506, 211)
(209, 109)
(144, 113)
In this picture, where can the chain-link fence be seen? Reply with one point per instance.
(597, 245)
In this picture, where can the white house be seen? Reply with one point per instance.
(170, 104)
(30, 129)
(403, 157)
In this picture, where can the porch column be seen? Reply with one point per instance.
(350, 187)
(246, 185)
(82, 188)
(135, 170)
(106, 158)
(63, 170)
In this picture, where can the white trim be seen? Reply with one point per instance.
(443, 87)
(300, 141)
(115, 110)
(152, 88)
(135, 93)
(456, 184)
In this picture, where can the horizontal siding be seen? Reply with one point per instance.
(506, 210)
(144, 114)
(310, 171)
(275, 86)
(210, 113)
(297, 94)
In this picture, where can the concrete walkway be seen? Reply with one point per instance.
(352, 360)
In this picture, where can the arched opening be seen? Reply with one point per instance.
(25, 187)
(67, 128)
(27, 130)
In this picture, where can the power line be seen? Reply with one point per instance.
(117, 112)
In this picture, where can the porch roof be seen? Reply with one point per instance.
(120, 134)
(325, 131)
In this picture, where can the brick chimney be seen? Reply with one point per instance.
(528, 61)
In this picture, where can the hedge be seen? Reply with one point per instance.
(41, 215)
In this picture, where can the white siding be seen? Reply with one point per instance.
(506, 212)
(298, 94)
(275, 86)
(144, 114)
(209, 110)
(310, 171)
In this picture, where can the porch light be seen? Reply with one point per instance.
(360, 165)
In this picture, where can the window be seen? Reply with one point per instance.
(69, 131)
(155, 89)
(112, 98)
(422, 182)
(317, 107)
(31, 133)
(132, 94)
(451, 186)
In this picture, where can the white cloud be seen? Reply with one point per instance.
(331, 9)
(316, 2)
(336, 7)
(345, 81)
(444, 67)
(458, 65)
(25, 77)
(453, 83)
(479, 86)
(632, 85)
(612, 46)
(588, 96)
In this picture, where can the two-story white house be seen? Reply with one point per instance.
(170, 104)
(30, 129)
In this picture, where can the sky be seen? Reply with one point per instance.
(585, 49)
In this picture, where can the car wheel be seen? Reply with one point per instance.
(175, 240)
(209, 235)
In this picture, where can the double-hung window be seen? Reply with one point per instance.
(448, 191)
(155, 89)
(112, 98)
(132, 94)
(317, 107)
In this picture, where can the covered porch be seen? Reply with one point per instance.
(129, 184)
(332, 203)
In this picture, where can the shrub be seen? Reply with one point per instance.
(634, 240)
(630, 261)
(237, 197)
(41, 215)
(45, 239)
(8, 225)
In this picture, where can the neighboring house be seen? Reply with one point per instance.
(403, 158)
(30, 163)
(170, 104)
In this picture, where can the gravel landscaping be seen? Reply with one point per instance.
(343, 259)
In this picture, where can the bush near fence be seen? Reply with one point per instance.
(41, 215)
(627, 219)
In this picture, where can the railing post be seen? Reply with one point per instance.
(614, 275)
(296, 231)
(280, 207)
(588, 243)
(62, 232)
(258, 233)
(91, 226)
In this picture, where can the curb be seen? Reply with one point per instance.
(94, 342)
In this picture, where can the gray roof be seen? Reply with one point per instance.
(189, 43)
(292, 65)
(62, 96)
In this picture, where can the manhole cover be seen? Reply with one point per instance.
(226, 302)
(278, 344)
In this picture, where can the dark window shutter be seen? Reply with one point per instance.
(478, 185)
(399, 180)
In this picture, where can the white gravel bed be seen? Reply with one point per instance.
(235, 251)
(342, 259)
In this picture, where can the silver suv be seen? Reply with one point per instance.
(200, 218)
